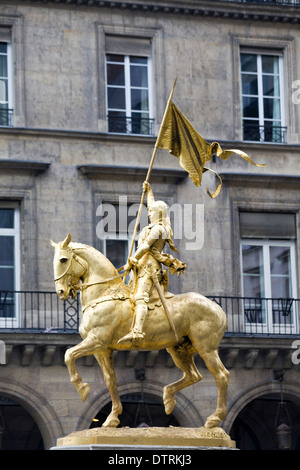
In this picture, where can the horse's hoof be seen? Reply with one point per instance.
(83, 391)
(212, 422)
(170, 404)
(111, 422)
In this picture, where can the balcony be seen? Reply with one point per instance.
(6, 117)
(44, 312)
(130, 125)
(257, 133)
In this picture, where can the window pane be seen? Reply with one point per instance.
(115, 58)
(270, 85)
(3, 89)
(7, 303)
(280, 260)
(7, 218)
(280, 288)
(116, 98)
(249, 84)
(270, 64)
(138, 60)
(271, 108)
(3, 47)
(116, 252)
(250, 107)
(251, 130)
(249, 62)
(253, 271)
(6, 251)
(7, 279)
(252, 260)
(141, 123)
(253, 287)
(139, 100)
(3, 66)
(117, 122)
(138, 76)
(115, 74)
(273, 132)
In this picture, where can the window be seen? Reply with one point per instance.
(128, 81)
(262, 97)
(6, 111)
(9, 264)
(268, 271)
(116, 227)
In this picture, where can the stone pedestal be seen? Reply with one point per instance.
(152, 438)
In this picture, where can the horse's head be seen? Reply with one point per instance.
(68, 268)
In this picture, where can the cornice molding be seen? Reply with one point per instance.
(76, 134)
(260, 179)
(45, 349)
(107, 171)
(137, 139)
(234, 10)
(22, 165)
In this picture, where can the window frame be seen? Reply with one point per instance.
(15, 232)
(121, 229)
(9, 78)
(261, 120)
(267, 326)
(117, 237)
(127, 87)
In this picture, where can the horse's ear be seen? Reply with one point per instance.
(53, 244)
(66, 242)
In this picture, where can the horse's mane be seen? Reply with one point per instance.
(93, 251)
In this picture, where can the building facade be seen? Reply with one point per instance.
(83, 89)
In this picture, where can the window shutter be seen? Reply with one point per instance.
(126, 45)
(270, 225)
(5, 34)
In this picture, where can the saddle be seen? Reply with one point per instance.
(125, 293)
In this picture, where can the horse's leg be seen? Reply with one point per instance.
(221, 374)
(85, 348)
(184, 360)
(105, 361)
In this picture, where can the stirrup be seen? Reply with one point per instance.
(131, 336)
(138, 334)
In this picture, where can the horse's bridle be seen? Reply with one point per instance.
(80, 286)
(75, 258)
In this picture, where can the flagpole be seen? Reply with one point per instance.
(149, 171)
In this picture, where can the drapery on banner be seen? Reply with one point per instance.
(181, 139)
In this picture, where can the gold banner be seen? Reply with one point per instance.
(181, 139)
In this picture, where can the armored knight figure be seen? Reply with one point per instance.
(148, 259)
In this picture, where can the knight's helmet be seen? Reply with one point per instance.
(162, 209)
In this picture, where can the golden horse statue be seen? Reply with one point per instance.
(108, 315)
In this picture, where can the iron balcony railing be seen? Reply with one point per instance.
(130, 125)
(251, 316)
(36, 311)
(256, 133)
(268, 2)
(6, 117)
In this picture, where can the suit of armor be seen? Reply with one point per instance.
(148, 259)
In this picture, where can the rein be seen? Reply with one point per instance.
(81, 286)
